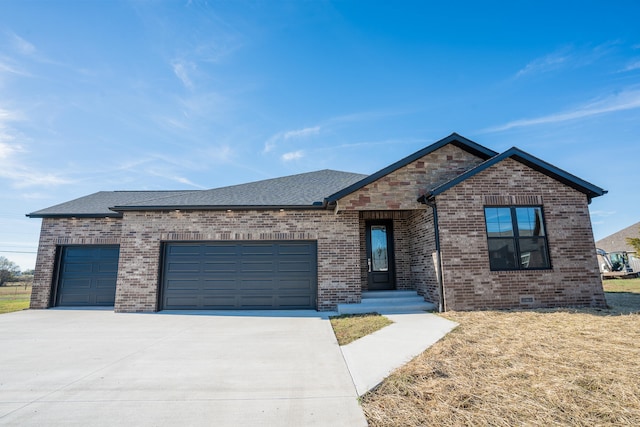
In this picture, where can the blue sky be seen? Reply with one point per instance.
(154, 95)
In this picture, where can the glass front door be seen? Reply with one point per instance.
(380, 255)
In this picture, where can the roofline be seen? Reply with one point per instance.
(533, 162)
(455, 139)
(317, 205)
(70, 215)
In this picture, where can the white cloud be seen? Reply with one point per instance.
(602, 214)
(301, 133)
(632, 66)
(182, 70)
(546, 63)
(271, 143)
(11, 167)
(293, 155)
(21, 45)
(625, 100)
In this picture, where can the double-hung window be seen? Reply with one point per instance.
(516, 238)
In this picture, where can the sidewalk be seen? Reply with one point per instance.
(372, 358)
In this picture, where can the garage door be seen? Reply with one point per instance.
(239, 275)
(87, 276)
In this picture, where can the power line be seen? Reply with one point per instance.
(17, 252)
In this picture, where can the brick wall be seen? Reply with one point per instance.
(422, 248)
(56, 232)
(143, 232)
(574, 279)
(400, 189)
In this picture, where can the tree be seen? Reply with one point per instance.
(635, 242)
(8, 270)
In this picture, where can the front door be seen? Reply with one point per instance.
(380, 262)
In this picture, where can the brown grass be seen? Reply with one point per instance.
(504, 368)
(15, 297)
(350, 327)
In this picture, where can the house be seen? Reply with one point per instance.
(618, 240)
(464, 226)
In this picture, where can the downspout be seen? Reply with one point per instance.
(424, 199)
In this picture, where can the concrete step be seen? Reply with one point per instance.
(388, 302)
(388, 294)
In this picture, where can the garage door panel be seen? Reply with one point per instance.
(219, 285)
(219, 250)
(181, 250)
(258, 266)
(77, 268)
(294, 250)
(241, 275)
(301, 266)
(183, 284)
(220, 267)
(295, 285)
(184, 267)
(87, 276)
(108, 267)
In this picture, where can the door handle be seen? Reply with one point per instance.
(369, 264)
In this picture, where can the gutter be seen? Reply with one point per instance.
(428, 200)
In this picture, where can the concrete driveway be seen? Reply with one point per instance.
(95, 367)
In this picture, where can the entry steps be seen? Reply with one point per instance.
(388, 302)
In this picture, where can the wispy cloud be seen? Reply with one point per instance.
(566, 57)
(6, 66)
(12, 167)
(625, 100)
(182, 70)
(632, 66)
(546, 63)
(271, 143)
(602, 214)
(293, 155)
(21, 45)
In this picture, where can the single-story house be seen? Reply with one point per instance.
(618, 240)
(464, 226)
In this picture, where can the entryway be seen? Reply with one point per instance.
(380, 255)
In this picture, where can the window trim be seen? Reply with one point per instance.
(515, 238)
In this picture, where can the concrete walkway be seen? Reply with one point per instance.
(372, 358)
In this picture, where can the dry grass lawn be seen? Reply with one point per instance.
(351, 327)
(14, 297)
(535, 368)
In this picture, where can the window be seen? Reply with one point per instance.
(516, 237)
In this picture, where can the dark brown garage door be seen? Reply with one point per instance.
(87, 276)
(239, 275)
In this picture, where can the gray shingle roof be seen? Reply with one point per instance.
(618, 240)
(98, 204)
(302, 190)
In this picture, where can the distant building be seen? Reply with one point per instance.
(618, 241)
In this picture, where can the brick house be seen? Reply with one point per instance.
(464, 226)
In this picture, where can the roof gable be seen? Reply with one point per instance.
(534, 163)
(454, 139)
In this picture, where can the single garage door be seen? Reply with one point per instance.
(87, 276)
(239, 275)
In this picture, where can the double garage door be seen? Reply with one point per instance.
(239, 275)
(200, 275)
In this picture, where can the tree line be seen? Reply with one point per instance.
(10, 272)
